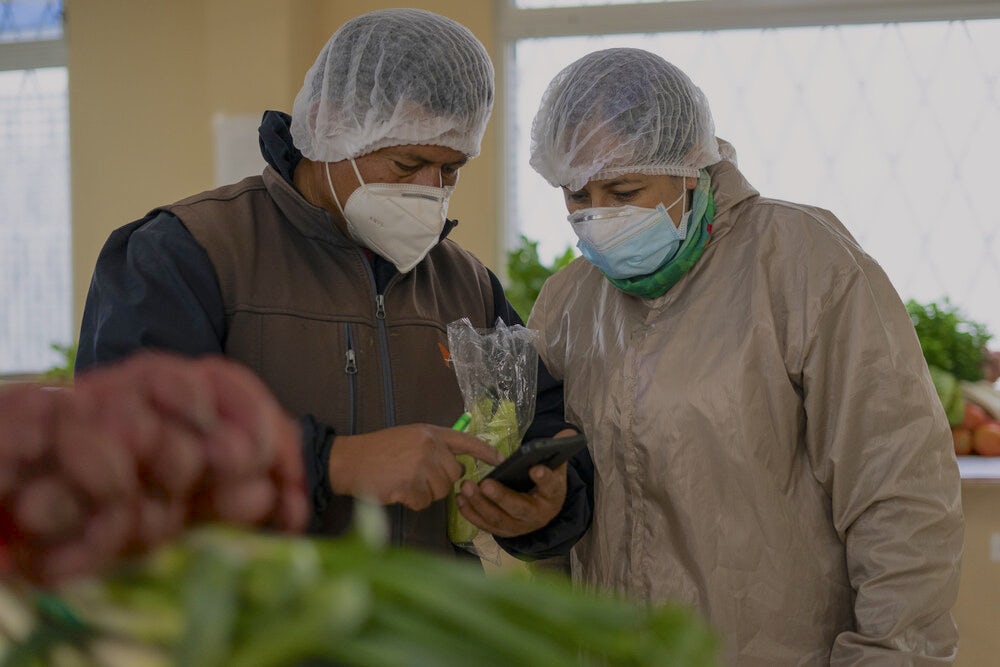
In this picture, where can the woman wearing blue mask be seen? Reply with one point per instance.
(768, 445)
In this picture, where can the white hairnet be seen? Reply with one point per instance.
(394, 77)
(620, 111)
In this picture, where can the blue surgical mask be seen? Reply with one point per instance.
(629, 241)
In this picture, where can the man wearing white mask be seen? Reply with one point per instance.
(330, 275)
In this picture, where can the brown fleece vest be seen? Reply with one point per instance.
(302, 311)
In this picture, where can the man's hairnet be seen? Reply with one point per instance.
(620, 111)
(390, 78)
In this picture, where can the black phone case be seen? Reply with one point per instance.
(550, 452)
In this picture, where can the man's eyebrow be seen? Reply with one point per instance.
(417, 157)
(403, 154)
(460, 161)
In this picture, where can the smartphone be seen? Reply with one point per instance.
(551, 452)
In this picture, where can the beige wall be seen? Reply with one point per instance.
(146, 79)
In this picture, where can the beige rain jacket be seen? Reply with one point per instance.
(767, 442)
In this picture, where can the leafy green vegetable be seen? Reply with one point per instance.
(526, 273)
(244, 599)
(62, 372)
(494, 421)
(950, 341)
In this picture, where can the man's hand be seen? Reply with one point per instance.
(413, 465)
(493, 507)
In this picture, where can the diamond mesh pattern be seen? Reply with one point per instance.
(894, 127)
(26, 20)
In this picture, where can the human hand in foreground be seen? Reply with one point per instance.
(413, 464)
(493, 507)
(132, 453)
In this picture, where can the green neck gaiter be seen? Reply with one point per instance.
(656, 284)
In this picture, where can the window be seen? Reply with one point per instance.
(539, 4)
(35, 291)
(892, 125)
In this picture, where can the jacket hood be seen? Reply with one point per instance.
(729, 188)
(276, 145)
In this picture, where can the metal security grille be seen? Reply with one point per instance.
(895, 127)
(35, 290)
(30, 20)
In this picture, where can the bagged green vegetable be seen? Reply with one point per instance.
(227, 597)
(497, 371)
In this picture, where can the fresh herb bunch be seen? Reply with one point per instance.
(526, 273)
(949, 340)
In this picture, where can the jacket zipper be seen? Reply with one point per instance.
(383, 337)
(351, 369)
(396, 512)
(390, 406)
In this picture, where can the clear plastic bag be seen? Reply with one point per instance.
(497, 372)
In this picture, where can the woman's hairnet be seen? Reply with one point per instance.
(620, 111)
(390, 78)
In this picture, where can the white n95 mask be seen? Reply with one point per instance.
(399, 221)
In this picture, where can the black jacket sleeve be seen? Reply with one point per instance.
(154, 287)
(559, 536)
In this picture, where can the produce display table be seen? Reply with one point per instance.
(975, 610)
(979, 468)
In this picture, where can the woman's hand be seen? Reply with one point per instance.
(493, 507)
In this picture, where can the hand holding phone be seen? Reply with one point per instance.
(550, 452)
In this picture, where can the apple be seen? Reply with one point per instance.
(963, 440)
(986, 439)
(974, 416)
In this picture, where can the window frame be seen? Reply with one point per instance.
(33, 54)
(692, 15)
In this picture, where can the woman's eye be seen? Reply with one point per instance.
(625, 196)
(406, 167)
(576, 197)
